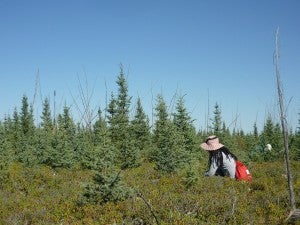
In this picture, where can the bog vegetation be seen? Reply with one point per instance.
(118, 169)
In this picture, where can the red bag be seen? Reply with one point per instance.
(242, 172)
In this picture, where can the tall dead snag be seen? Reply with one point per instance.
(294, 211)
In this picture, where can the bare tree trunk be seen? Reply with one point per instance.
(284, 127)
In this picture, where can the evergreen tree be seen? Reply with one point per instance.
(64, 141)
(278, 140)
(47, 122)
(296, 141)
(217, 121)
(28, 154)
(2, 145)
(46, 135)
(107, 185)
(6, 150)
(255, 130)
(252, 143)
(98, 154)
(184, 125)
(169, 154)
(106, 188)
(26, 117)
(271, 134)
(127, 151)
(112, 122)
(140, 129)
(268, 131)
(227, 138)
(100, 129)
(15, 134)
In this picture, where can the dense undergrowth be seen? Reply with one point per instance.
(41, 195)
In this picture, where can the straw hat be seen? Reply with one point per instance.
(212, 143)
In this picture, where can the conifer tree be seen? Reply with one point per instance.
(106, 188)
(98, 154)
(230, 140)
(47, 122)
(46, 135)
(111, 117)
(255, 131)
(2, 146)
(271, 134)
(184, 125)
(252, 142)
(140, 129)
(28, 154)
(123, 141)
(268, 131)
(217, 120)
(15, 134)
(219, 128)
(107, 185)
(64, 141)
(169, 154)
(8, 128)
(297, 140)
(100, 129)
(6, 150)
(26, 117)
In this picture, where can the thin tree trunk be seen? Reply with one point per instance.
(284, 127)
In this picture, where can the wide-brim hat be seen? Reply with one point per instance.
(211, 143)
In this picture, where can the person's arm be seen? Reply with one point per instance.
(212, 170)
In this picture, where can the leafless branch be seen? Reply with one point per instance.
(149, 206)
(284, 125)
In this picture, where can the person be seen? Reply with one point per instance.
(221, 161)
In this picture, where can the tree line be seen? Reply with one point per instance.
(116, 141)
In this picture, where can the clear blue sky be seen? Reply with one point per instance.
(210, 51)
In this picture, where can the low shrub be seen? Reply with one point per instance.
(41, 195)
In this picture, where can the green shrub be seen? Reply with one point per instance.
(41, 195)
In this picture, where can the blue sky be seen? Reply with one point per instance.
(210, 51)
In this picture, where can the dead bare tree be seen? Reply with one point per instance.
(85, 110)
(37, 91)
(207, 116)
(294, 215)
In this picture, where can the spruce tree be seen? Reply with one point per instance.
(140, 129)
(7, 154)
(26, 118)
(255, 130)
(47, 122)
(105, 188)
(297, 140)
(169, 155)
(28, 151)
(220, 129)
(107, 184)
(127, 151)
(271, 134)
(184, 124)
(64, 141)
(100, 129)
(46, 135)
(97, 154)
(2, 146)
(217, 120)
(111, 117)
(16, 134)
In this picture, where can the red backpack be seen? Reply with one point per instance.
(242, 172)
